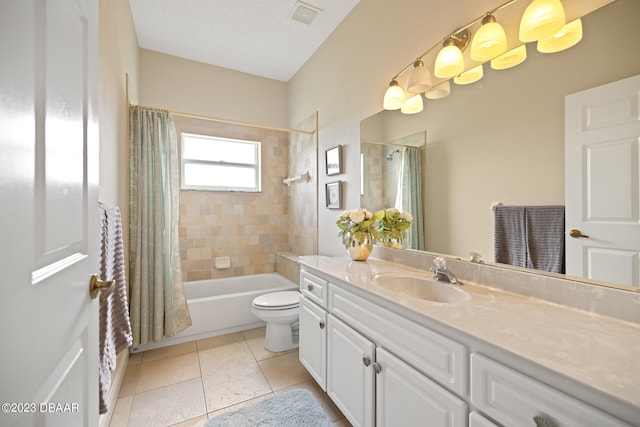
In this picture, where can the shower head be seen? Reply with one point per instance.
(390, 155)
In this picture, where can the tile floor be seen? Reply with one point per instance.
(186, 384)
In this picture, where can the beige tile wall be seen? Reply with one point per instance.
(302, 195)
(248, 227)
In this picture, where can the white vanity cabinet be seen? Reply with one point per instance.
(514, 399)
(384, 366)
(370, 384)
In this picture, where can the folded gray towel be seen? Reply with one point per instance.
(530, 236)
(510, 246)
(545, 238)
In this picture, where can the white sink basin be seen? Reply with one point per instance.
(420, 287)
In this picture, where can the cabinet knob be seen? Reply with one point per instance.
(310, 287)
(366, 361)
(321, 324)
(542, 421)
(377, 368)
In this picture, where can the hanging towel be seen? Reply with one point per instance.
(510, 246)
(545, 238)
(115, 328)
(530, 236)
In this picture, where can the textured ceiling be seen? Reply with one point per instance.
(253, 36)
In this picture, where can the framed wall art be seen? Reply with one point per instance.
(333, 195)
(333, 159)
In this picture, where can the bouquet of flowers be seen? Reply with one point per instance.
(392, 227)
(358, 224)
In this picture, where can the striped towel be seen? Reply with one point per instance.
(530, 236)
(115, 328)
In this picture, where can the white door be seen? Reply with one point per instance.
(48, 220)
(405, 397)
(350, 375)
(602, 182)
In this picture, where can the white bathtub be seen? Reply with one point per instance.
(222, 306)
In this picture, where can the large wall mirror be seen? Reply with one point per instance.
(500, 140)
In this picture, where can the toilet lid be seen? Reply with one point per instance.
(278, 300)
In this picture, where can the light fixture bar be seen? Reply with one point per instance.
(465, 27)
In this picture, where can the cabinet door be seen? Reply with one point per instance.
(405, 397)
(350, 359)
(313, 341)
(514, 399)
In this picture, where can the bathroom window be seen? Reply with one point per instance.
(222, 164)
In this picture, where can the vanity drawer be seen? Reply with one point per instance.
(514, 399)
(438, 357)
(314, 288)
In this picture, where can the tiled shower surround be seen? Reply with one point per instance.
(250, 227)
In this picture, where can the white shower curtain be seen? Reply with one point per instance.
(158, 303)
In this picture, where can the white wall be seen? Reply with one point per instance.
(345, 81)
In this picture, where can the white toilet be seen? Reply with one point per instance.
(281, 311)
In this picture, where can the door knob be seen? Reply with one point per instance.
(96, 286)
(576, 233)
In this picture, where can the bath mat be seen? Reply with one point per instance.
(294, 408)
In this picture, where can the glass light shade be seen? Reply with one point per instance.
(439, 91)
(471, 76)
(490, 41)
(413, 105)
(420, 78)
(510, 58)
(449, 62)
(568, 36)
(394, 97)
(541, 19)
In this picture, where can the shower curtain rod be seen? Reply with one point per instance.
(389, 144)
(218, 119)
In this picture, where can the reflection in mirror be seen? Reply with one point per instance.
(502, 139)
(392, 177)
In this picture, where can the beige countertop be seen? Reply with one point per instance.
(598, 351)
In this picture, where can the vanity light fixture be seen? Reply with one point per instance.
(394, 98)
(468, 77)
(568, 36)
(449, 61)
(489, 41)
(541, 19)
(439, 91)
(419, 79)
(510, 59)
(413, 105)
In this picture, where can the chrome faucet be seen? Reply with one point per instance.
(442, 273)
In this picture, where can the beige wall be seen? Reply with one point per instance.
(345, 81)
(196, 88)
(118, 56)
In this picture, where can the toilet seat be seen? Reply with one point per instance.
(277, 300)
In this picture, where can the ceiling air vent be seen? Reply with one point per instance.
(305, 13)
